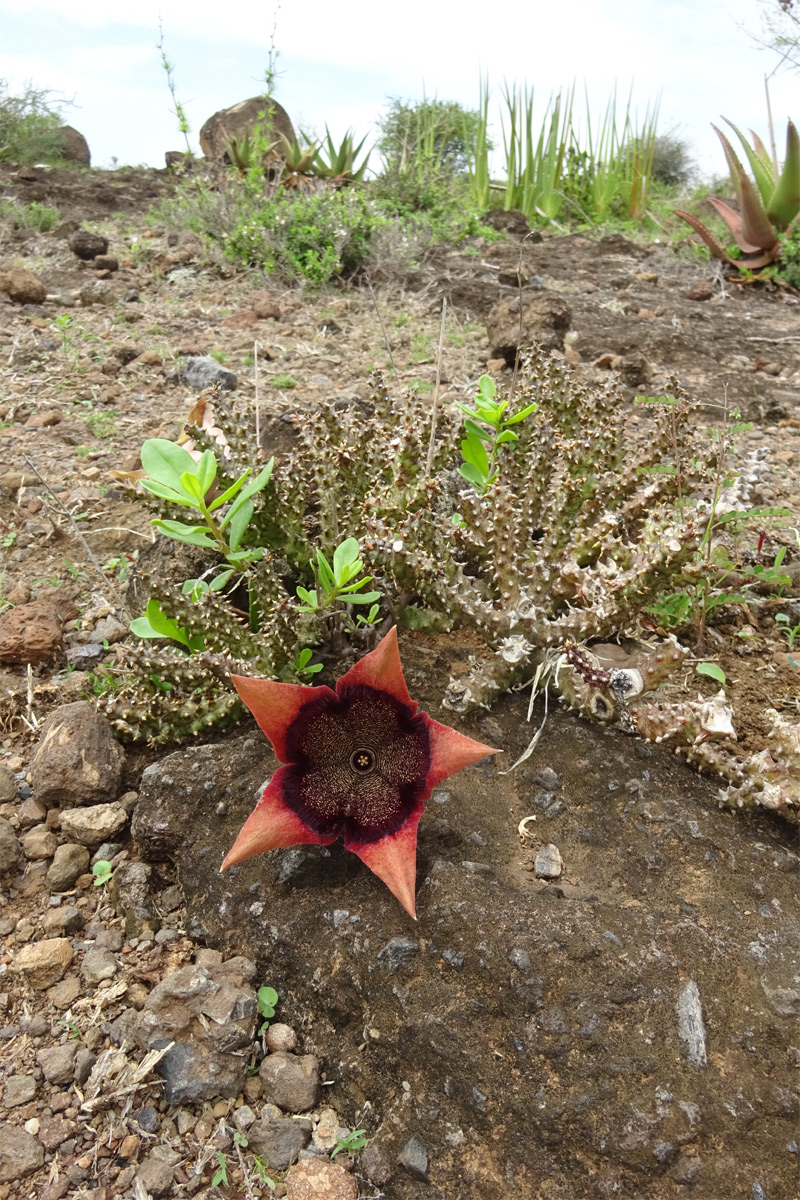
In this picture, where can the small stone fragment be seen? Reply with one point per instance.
(396, 953)
(19, 1089)
(279, 1139)
(548, 863)
(691, 1029)
(318, 1179)
(77, 759)
(20, 1154)
(413, 1158)
(156, 1173)
(70, 861)
(375, 1166)
(57, 1062)
(93, 824)
(290, 1081)
(98, 964)
(42, 964)
(203, 372)
(10, 852)
(39, 843)
(281, 1037)
(30, 633)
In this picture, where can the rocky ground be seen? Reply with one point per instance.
(607, 1008)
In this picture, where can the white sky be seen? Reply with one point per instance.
(340, 62)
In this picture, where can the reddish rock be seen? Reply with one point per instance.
(42, 964)
(22, 286)
(30, 633)
(318, 1179)
(43, 420)
(265, 306)
(240, 320)
(702, 290)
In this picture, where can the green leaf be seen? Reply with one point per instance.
(473, 451)
(260, 482)
(156, 624)
(713, 671)
(521, 415)
(165, 462)
(206, 470)
(193, 487)
(487, 388)
(506, 436)
(363, 597)
(168, 493)
(476, 431)
(473, 475)
(267, 997)
(470, 412)
(241, 519)
(327, 578)
(309, 599)
(345, 555)
(192, 535)
(353, 587)
(229, 494)
(219, 581)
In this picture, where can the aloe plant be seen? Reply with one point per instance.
(767, 208)
(338, 163)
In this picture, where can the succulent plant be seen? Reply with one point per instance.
(767, 208)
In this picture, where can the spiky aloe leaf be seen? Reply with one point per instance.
(705, 233)
(760, 162)
(752, 262)
(785, 202)
(734, 222)
(756, 228)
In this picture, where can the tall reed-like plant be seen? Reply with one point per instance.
(534, 168)
(619, 160)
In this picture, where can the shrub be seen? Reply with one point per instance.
(30, 216)
(314, 237)
(437, 131)
(672, 160)
(30, 126)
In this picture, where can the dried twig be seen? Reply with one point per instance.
(435, 410)
(383, 327)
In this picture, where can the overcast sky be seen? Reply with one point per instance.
(339, 62)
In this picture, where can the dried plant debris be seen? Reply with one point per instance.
(580, 526)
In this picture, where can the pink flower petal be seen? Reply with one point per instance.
(451, 751)
(275, 706)
(381, 669)
(394, 860)
(270, 825)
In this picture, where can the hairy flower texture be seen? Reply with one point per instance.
(358, 762)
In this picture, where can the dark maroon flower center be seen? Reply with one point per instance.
(360, 763)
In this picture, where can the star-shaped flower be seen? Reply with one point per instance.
(359, 761)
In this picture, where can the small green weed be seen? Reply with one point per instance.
(266, 998)
(102, 872)
(352, 1142)
(284, 382)
(102, 423)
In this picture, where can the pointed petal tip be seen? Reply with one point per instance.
(381, 669)
(394, 860)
